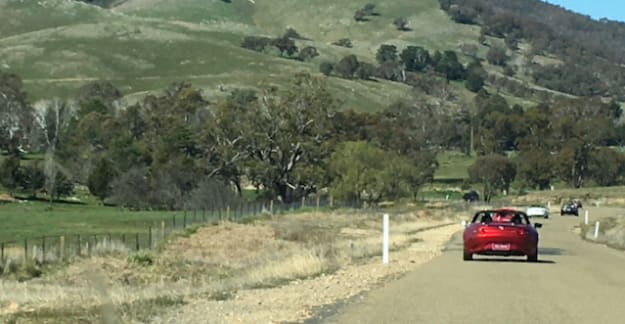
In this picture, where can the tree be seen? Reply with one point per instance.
(476, 75)
(415, 58)
(607, 166)
(411, 132)
(386, 53)
(536, 168)
(401, 23)
(131, 189)
(224, 142)
(347, 66)
(365, 71)
(60, 186)
(308, 53)
(98, 96)
(449, 65)
(390, 71)
(32, 179)
(495, 172)
(356, 169)
(580, 126)
(256, 43)
(10, 174)
(100, 179)
(326, 68)
(496, 55)
(285, 45)
(15, 114)
(57, 126)
(291, 134)
(360, 15)
(463, 15)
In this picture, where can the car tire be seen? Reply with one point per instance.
(467, 256)
(533, 257)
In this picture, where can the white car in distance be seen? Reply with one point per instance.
(537, 211)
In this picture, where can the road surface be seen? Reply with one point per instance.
(573, 282)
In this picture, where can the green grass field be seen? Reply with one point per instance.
(144, 45)
(35, 219)
(453, 166)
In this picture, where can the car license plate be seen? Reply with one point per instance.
(501, 247)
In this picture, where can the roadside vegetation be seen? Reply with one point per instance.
(268, 253)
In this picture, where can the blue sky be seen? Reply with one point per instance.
(597, 9)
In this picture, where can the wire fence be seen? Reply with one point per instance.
(64, 248)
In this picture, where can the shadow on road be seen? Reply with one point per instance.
(550, 251)
(499, 260)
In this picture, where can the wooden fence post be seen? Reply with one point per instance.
(162, 231)
(184, 220)
(173, 221)
(2, 252)
(271, 206)
(318, 202)
(303, 202)
(79, 245)
(150, 237)
(137, 241)
(331, 201)
(228, 213)
(25, 249)
(43, 249)
(62, 248)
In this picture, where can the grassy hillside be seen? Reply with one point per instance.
(143, 45)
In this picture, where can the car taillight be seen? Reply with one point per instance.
(522, 232)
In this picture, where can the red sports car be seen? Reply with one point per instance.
(501, 232)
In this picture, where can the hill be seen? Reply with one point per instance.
(144, 45)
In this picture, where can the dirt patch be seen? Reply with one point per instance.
(4, 198)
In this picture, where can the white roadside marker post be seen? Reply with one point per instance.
(596, 230)
(586, 217)
(385, 240)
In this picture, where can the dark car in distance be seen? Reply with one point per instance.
(471, 196)
(570, 208)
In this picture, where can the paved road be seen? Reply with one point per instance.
(574, 282)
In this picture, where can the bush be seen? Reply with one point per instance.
(326, 68)
(141, 258)
(256, 43)
(343, 42)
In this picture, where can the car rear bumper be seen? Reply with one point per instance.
(516, 247)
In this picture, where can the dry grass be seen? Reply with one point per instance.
(212, 263)
(611, 232)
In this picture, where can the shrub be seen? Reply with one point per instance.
(141, 258)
